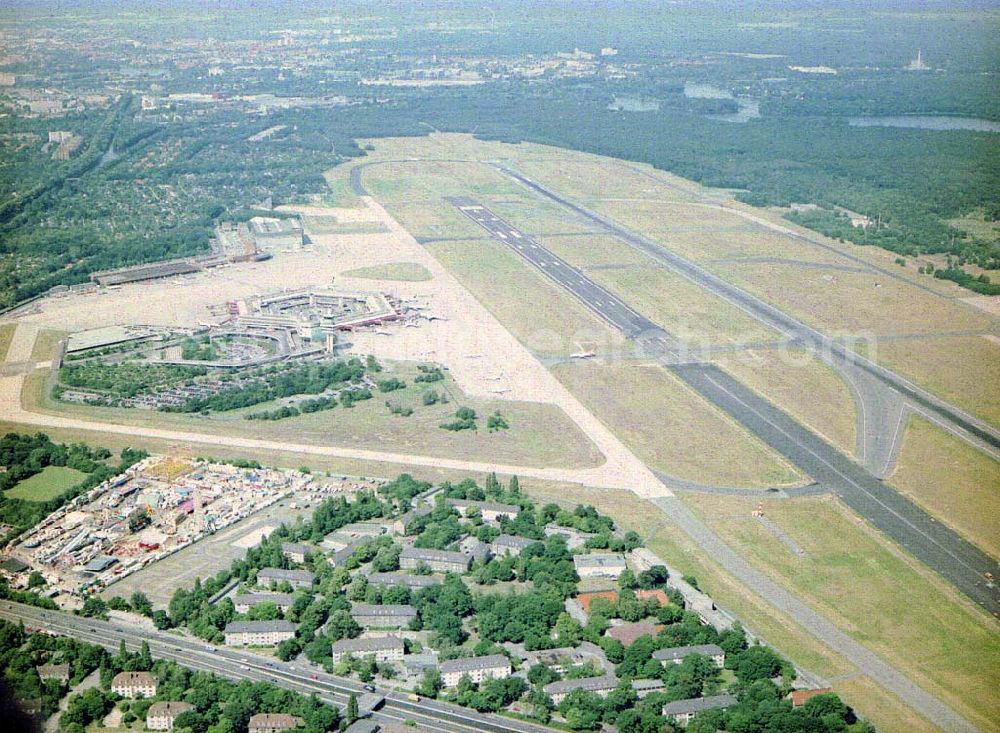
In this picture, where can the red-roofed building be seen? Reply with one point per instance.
(799, 697)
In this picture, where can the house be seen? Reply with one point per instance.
(244, 601)
(273, 722)
(492, 666)
(161, 715)
(258, 633)
(416, 663)
(599, 685)
(389, 616)
(677, 654)
(474, 548)
(599, 565)
(296, 551)
(628, 633)
(490, 511)
(384, 649)
(509, 545)
(406, 522)
(799, 697)
(402, 579)
(441, 561)
(646, 687)
(338, 558)
(295, 578)
(681, 711)
(54, 672)
(134, 684)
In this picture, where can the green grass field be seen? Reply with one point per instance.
(50, 483)
(952, 481)
(401, 271)
(369, 424)
(671, 428)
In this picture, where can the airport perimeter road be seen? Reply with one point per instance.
(928, 540)
(236, 665)
(973, 430)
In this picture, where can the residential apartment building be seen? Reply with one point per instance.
(490, 511)
(598, 685)
(677, 654)
(244, 601)
(441, 561)
(599, 565)
(681, 711)
(402, 579)
(134, 684)
(295, 578)
(390, 616)
(258, 633)
(161, 715)
(273, 722)
(384, 649)
(509, 545)
(296, 551)
(493, 666)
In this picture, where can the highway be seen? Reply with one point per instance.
(939, 547)
(236, 664)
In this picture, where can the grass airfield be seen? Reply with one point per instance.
(862, 582)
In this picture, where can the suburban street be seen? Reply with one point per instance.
(236, 664)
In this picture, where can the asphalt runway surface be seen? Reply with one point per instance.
(769, 314)
(937, 546)
(924, 537)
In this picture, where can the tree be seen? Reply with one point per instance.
(94, 607)
(430, 684)
(35, 580)
(140, 604)
(352, 708)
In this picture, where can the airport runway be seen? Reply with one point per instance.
(925, 538)
(966, 426)
(937, 546)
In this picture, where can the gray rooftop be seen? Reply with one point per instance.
(258, 627)
(410, 581)
(599, 560)
(251, 599)
(368, 645)
(467, 664)
(604, 682)
(400, 609)
(509, 540)
(429, 555)
(679, 652)
(697, 704)
(303, 576)
(297, 547)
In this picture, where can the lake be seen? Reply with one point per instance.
(928, 122)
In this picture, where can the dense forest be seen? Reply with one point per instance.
(147, 187)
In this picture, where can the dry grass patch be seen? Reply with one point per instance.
(671, 428)
(964, 370)
(851, 302)
(867, 586)
(45, 344)
(435, 219)
(6, 334)
(401, 271)
(881, 707)
(542, 316)
(682, 308)
(802, 385)
(952, 481)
